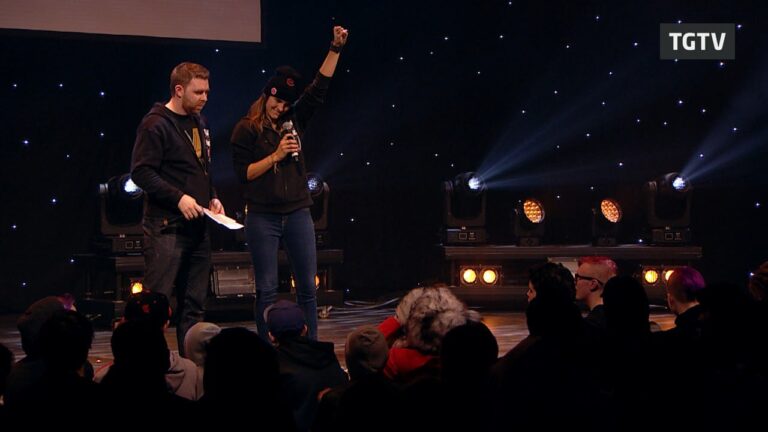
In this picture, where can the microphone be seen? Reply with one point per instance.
(288, 129)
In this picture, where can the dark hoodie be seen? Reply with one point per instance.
(165, 165)
(282, 189)
(306, 368)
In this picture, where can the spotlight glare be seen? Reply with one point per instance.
(610, 210)
(533, 210)
(130, 187)
(125, 188)
(317, 282)
(313, 184)
(474, 183)
(469, 183)
(651, 276)
(490, 276)
(137, 287)
(469, 276)
(679, 183)
(668, 274)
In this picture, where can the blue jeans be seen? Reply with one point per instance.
(178, 255)
(264, 232)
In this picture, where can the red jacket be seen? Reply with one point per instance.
(406, 364)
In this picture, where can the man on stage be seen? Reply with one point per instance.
(171, 163)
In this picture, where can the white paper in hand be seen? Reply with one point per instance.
(223, 219)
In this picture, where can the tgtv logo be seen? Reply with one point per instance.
(698, 41)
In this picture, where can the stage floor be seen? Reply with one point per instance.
(508, 327)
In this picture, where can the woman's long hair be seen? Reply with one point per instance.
(257, 114)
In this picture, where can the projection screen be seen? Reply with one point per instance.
(218, 20)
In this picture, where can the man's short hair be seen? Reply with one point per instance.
(183, 73)
(600, 260)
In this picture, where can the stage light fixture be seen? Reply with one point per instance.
(611, 210)
(130, 188)
(606, 216)
(464, 209)
(490, 276)
(533, 211)
(476, 274)
(317, 282)
(468, 276)
(474, 183)
(655, 278)
(315, 184)
(121, 188)
(668, 208)
(528, 222)
(137, 287)
(121, 207)
(650, 276)
(320, 193)
(667, 275)
(679, 183)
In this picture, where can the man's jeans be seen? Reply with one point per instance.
(179, 255)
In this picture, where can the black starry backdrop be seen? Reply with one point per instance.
(565, 100)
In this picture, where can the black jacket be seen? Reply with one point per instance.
(282, 189)
(165, 166)
(306, 368)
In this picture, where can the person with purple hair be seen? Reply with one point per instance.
(685, 349)
(683, 288)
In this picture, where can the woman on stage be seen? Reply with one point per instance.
(267, 155)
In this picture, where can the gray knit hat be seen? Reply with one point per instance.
(366, 351)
